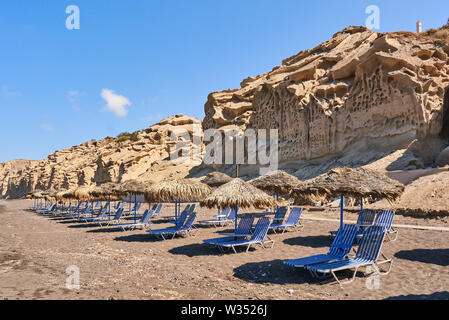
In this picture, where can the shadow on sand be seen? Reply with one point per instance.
(276, 272)
(443, 295)
(195, 250)
(273, 272)
(140, 237)
(433, 256)
(310, 241)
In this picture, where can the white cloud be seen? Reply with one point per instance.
(6, 93)
(115, 103)
(46, 127)
(73, 99)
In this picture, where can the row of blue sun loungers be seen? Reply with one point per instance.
(371, 232)
(382, 218)
(338, 258)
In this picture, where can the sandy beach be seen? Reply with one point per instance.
(35, 252)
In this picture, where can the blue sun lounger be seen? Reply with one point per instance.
(178, 224)
(47, 211)
(368, 219)
(385, 219)
(134, 209)
(243, 231)
(183, 225)
(116, 219)
(101, 216)
(367, 255)
(340, 248)
(292, 221)
(143, 222)
(222, 218)
(258, 237)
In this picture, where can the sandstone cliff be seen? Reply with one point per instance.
(136, 156)
(362, 94)
(360, 99)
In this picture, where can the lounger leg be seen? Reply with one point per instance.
(390, 264)
(345, 282)
(233, 248)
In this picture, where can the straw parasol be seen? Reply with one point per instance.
(49, 194)
(62, 195)
(276, 181)
(216, 179)
(176, 190)
(35, 195)
(238, 193)
(83, 193)
(349, 182)
(132, 187)
(105, 190)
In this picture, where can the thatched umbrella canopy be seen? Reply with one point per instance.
(49, 194)
(105, 190)
(69, 194)
(132, 187)
(238, 193)
(276, 181)
(83, 193)
(65, 195)
(175, 190)
(216, 179)
(349, 182)
(35, 195)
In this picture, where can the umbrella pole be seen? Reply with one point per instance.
(341, 211)
(176, 210)
(135, 207)
(277, 207)
(109, 207)
(361, 210)
(236, 212)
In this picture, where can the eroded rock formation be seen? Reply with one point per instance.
(144, 155)
(361, 90)
(361, 98)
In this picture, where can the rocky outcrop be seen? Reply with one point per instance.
(362, 98)
(11, 169)
(144, 155)
(360, 91)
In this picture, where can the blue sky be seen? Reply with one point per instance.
(151, 59)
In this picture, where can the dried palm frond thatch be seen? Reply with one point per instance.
(238, 192)
(83, 193)
(49, 194)
(104, 190)
(35, 195)
(60, 195)
(276, 181)
(349, 182)
(175, 190)
(132, 187)
(216, 179)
